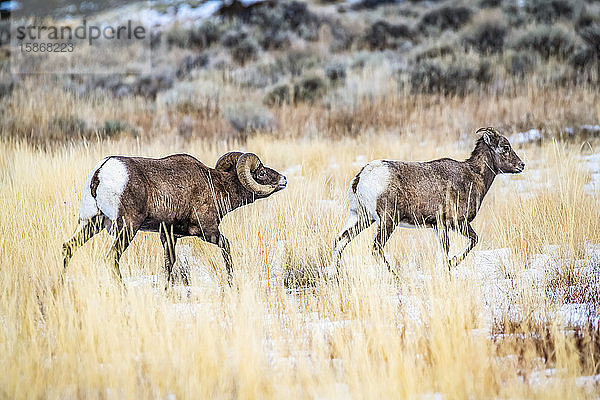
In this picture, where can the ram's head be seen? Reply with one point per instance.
(251, 172)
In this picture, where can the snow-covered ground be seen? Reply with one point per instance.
(592, 162)
(499, 278)
(170, 12)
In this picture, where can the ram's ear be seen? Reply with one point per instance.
(487, 139)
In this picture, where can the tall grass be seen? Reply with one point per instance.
(367, 337)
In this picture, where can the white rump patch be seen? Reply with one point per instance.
(373, 181)
(88, 206)
(113, 177)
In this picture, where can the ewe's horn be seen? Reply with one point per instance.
(488, 129)
(247, 164)
(228, 160)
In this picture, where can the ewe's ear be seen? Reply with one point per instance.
(489, 136)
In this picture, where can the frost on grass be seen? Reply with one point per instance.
(202, 277)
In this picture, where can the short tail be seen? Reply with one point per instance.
(89, 207)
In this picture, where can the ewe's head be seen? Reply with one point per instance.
(252, 174)
(504, 157)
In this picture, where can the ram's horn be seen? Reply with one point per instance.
(228, 161)
(247, 164)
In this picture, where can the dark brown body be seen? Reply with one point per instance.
(176, 196)
(182, 193)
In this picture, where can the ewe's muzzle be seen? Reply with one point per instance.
(282, 183)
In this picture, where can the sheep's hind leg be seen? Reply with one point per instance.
(221, 241)
(385, 228)
(354, 226)
(466, 230)
(85, 231)
(442, 232)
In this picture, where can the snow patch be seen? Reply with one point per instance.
(360, 161)
(530, 136)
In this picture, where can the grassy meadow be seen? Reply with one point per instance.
(282, 331)
(517, 319)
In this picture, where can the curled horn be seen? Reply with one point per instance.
(247, 164)
(228, 161)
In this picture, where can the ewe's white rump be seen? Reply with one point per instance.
(113, 177)
(373, 181)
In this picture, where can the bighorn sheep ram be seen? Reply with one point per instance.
(442, 194)
(176, 196)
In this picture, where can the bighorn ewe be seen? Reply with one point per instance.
(441, 194)
(175, 195)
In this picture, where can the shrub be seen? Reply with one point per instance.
(445, 17)
(309, 89)
(486, 37)
(294, 62)
(245, 51)
(371, 4)
(113, 127)
(591, 35)
(490, 3)
(275, 39)
(586, 19)
(69, 127)
(452, 79)
(4, 32)
(342, 36)
(436, 51)
(278, 96)
(515, 14)
(519, 63)
(336, 73)
(149, 86)
(383, 35)
(206, 34)
(548, 41)
(247, 118)
(582, 58)
(190, 63)
(548, 11)
(233, 37)
(178, 36)
(6, 88)
(291, 16)
(146, 85)
(301, 20)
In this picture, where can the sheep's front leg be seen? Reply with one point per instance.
(442, 232)
(223, 243)
(123, 237)
(466, 230)
(168, 242)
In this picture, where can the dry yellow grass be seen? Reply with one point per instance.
(360, 339)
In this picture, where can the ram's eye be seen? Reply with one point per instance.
(261, 174)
